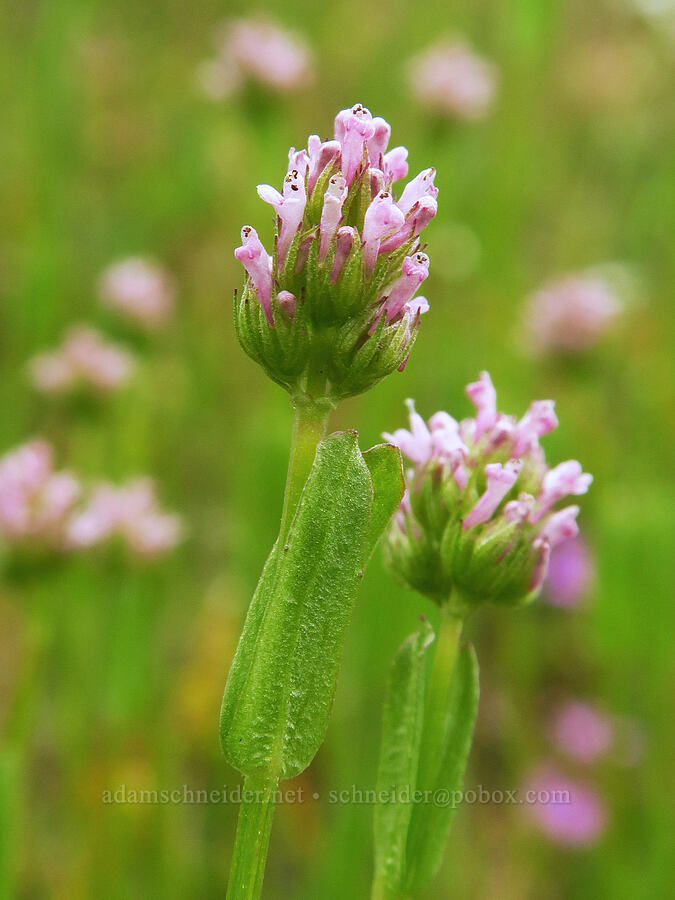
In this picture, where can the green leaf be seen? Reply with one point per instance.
(280, 687)
(386, 471)
(430, 822)
(399, 757)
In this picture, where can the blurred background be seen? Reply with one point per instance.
(139, 131)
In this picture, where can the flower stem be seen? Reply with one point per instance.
(253, 836)
(436, 722)
(309, 427)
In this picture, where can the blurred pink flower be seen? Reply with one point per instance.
(582, 732)
(139, 289)
(450, 79)
(129, 512)
(571, 573)
(84, 359)
(35, 501)
(570, 314)
(258, 50)
(567, 812)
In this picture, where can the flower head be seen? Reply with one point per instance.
(481, 515)
(582, 732)
(259, 51)
(451, 80)
(85, 359)
(35, 501)
(129, 513)
(140, 290)
(570, 314)
(347, 249)
(567, 812)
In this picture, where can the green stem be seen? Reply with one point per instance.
(257, 807)
(254, 826)
(436, 707)
(309, 427)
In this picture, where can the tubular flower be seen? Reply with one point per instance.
(334, 305)
(480, 516)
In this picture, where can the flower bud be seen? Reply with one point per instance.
(479, 519)
(348, 252)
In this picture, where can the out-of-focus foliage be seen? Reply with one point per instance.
(111, 672)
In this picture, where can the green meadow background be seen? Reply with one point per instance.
(111, 673)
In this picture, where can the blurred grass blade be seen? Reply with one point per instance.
(386, 471)
(278, 694)
(431, 821)
(402, 724)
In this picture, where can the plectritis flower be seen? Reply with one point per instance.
(571, 572)
(334, 308)
(570, 314)
(256, 50)
(481, 513)
(35, 501)
(140, 290)
(582, 732)
(567, 812)
(129, 513)
(85, 359)
(452, 81)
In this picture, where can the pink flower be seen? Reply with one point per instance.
(565, 479)
(382, 217)
(484, 397)
(567, 812)
(561, 526)
(338, 224)
(582, 732)
(290, 206)
(354, 128)
(331, 214)
(35, 501)
(130, 513)
(260, 51)
(84, 359)
(343, 245)
(451, 80)
(500, 480)
(287, 302)
(258, 263)
(414, 270)
(139, 289)
(570, 314)
(476, 468)
(570, 574)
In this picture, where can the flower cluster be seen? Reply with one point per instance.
(570, 314)
(480, 513)
(35, 501)
(129, 513)
(452, 81)
(84, 359)
(44, 509)
(257, 50)
(334, 306)
(140, 290)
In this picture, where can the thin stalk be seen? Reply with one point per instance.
(254, 826)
